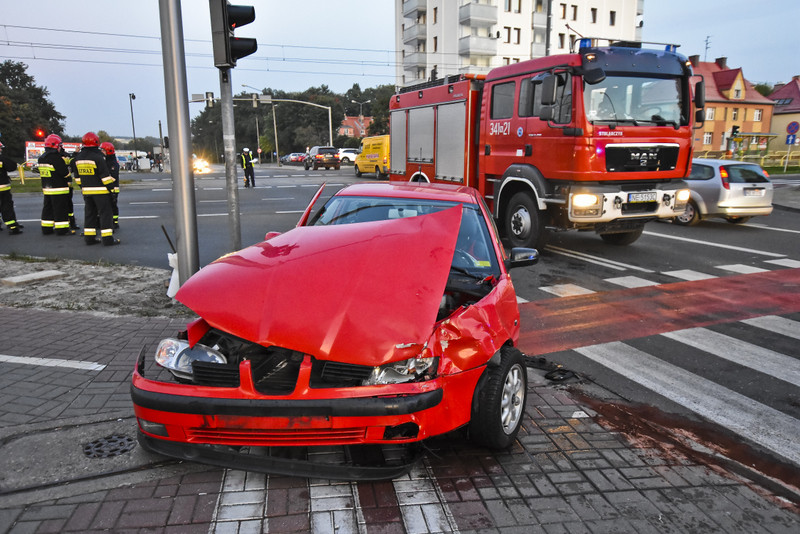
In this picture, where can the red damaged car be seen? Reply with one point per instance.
(384, 318)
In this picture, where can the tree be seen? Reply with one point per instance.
(381, 96)
(763, 88)
(24, 108)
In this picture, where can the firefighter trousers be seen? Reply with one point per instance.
(98, 216)
(7, 209)
(55, 213)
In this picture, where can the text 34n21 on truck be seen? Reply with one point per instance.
(596, 140)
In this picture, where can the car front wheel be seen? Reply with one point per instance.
(357, 171)
(500, 405)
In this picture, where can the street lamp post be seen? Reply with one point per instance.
(361, 106)
(131, 98)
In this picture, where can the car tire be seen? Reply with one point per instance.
(524, 223)
(357, 171)
(622, 239)
(345, 161)
(737, 220)
(690, 217)
(499, 408)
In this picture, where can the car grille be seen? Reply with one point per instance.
(326, 374)
(215, 374)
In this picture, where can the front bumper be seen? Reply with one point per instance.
(625, 202)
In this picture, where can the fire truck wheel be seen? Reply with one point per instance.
(501, 402)
(690, 217)
(524, 223)
(357, 171)
(623, 238)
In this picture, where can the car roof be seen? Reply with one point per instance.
(449, 192)
(719, 162)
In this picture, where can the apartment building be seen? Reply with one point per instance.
(436, 38)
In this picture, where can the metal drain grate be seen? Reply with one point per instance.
(109, 446)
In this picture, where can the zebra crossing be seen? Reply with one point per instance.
(771, 421)
(653, 278)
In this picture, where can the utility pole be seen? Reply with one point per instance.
(229, 149)
(175, 86)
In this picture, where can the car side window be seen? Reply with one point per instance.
(700, 172)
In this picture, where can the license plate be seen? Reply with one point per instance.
(754, 192)
(642, 197)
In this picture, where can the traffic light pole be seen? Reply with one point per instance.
(229, 149)
(178, 127)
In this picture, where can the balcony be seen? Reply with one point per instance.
(413, 8)
(414, 34)
(477, 15)
(415, 61)
(477, 46)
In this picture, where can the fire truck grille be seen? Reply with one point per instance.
(630, 158)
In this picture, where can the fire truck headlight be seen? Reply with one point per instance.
(682, 196)
(585, 200)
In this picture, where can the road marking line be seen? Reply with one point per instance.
(168, 189)
(223, 200)
(285, 186)
(746, 417)
(689, 275)
(138, 217)
(213, 188)
(279, 198)
(566, 290)
(765, 227)
(719, 245)
(292, 211)
(786, 262)
(521, 300)
(148, 202)
(741, 352)
(631, 281)
(776, 324)
(212, 214)
(742, 269)
(584, 257)
(52, 362)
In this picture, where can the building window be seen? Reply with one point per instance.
(561, 38)
(518, 9)
(572, 39)
(708, 138)
(735, 114)
(435, 15)
(508, 33)
(539, 6)
(757, 115)
(435, 43)
(506, 61)
(594, 15)
(709, 114)
(516, 35)
(574, 12)
(507, 6)
(737, 93)
(563, 11)
(612, 18)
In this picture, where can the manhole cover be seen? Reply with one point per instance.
(109, 446)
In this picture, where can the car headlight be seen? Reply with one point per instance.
(177, 356)
(585, 200)
(400, 372)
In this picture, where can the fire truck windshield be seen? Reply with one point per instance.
(635, 100)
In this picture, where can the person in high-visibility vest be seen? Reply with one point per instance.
(6, 199)
(247, 165)
(96, 185)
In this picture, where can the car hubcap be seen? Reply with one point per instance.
(511, 405)
(521, 222)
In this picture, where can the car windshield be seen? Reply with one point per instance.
(474, 254)
(635, 100)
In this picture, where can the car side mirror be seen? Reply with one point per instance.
(522, 257)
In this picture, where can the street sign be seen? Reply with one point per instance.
(790, 139)
(793, 127)
(259, 150)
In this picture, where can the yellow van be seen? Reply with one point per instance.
(374, 156)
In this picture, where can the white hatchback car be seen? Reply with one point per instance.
(733, 190)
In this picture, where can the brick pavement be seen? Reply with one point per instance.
(566, 473)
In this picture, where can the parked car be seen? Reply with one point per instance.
(410, 334)
(733, 190)
(124, 163)
(374, 156)
(322, 156)
(347, 155)
(297, 158)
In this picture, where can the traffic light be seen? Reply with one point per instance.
(166, 142)
(734, 131)
(39, 133)
(225, 18)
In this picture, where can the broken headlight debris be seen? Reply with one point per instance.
(178, 356)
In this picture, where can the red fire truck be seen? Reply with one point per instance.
(596, 140)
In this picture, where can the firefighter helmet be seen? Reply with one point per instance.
(107, 148)
(245, 150)
(90, 139)
(52, 141)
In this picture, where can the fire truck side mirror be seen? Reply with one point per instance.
(594, 76)
(548, 90)
(700, 94)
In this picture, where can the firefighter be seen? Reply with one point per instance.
(96, 185)
(56, 180)
(6, 199)
(247, 165)
(113, 168)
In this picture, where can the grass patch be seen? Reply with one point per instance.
(14, 256)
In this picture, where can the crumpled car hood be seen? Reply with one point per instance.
(358, 293)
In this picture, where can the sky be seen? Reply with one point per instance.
(92, 54)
